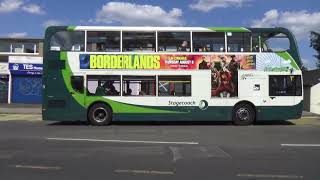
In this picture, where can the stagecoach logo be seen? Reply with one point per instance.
(15, 67)
(182, 103)
(203, 105)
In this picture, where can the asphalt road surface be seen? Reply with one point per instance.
(38, 150)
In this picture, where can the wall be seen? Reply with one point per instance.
(315, 99)
(306, 98)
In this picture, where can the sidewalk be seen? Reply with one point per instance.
(309, 114)
(20, 108)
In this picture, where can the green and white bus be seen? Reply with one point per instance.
(104, 74)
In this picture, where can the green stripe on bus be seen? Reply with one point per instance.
(229, 29)
(286, 56)
(71, 28)
(118, 106)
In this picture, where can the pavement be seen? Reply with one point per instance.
(20, 109)
(40, 150)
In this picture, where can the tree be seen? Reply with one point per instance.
(303, 68)
(315, 44)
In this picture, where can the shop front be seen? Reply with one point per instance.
(26, 83)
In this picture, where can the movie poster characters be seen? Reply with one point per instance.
(224, 72)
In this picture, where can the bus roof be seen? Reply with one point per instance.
(149, 28)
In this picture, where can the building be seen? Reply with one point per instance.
(20, 70)
(311, 84)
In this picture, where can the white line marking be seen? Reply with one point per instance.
(301, 145)
(122, 141)
(270, 176)
(38, 167)
(152, 172)
(176, 153)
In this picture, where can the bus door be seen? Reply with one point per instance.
(77, 97)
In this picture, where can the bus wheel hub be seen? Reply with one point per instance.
(243, 114)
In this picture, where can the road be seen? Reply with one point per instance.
(38, 150)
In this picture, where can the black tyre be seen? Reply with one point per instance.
(100, 114)
(243, 114)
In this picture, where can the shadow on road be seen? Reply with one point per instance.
(170, 123)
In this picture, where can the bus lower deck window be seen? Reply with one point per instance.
(103, 85)
(139, 85)
(174, 86)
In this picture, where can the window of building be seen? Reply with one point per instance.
(139, 41)
(5, 47)
(174, 85)
(139, 85)
(67, 41)
(17, 48)
(285, 85)
(103, 85)
(29, 48)
(103, 41)
(77, 83)
(208, 42)
(174, 41)
(239, 42)
(271, 42)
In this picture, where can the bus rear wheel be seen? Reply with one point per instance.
(100, 115)
(243, 114)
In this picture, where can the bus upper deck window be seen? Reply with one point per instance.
(98, 41)
(174, 41)
(255, 42)
(208, 41)
(139, 41)
(239, 42)
(272, 42)
(67, 41)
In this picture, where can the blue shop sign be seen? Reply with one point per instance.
(25, 68)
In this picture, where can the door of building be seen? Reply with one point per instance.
(26, 89)
(4, 88)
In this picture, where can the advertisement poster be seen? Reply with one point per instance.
(224, 68)
(178, 62)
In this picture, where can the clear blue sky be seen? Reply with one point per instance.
(30, 17)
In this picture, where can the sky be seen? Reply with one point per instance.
(29, 18)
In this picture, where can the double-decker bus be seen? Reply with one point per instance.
(104, 74)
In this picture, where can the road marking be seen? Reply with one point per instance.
(136, 171)
(37, 167)
(176, 153)
(301, 145)
(122, 141)
(273, 176)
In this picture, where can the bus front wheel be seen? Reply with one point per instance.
(100, 114)
(243, 114)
